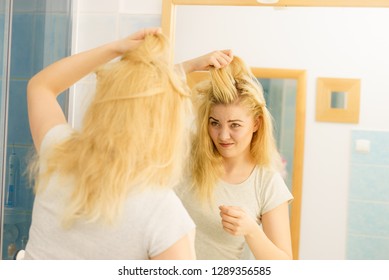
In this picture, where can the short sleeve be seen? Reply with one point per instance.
(55, 135)
(274, 191)
(169, 223)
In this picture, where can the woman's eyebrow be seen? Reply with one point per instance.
(212, 118)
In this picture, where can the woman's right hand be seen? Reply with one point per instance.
(217, 59)
(236, 221)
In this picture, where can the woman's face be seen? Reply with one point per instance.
(231, 128)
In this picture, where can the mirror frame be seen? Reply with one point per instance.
(168, 20)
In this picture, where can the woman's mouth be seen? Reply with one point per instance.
(225, 145)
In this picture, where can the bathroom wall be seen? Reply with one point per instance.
(2, 34)
(101, 21)
(40, 32)
(368, 198)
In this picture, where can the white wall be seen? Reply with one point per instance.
(97, 22)
(277, 38)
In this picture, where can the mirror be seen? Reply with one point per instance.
(293, 38)
(338, 100)
(289, 124)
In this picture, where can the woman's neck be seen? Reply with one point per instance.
(237, 170)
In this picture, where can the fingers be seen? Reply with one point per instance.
(141, 34)
(152, 30)
(232, 219)
(233, 211)
(228, 53)
(230, 228)
(216, 59)
(220, 59)
(236, 221)
(132, 41)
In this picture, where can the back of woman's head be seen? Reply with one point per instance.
(233, 84)
(134, 133)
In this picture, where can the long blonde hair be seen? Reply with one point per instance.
(234, 83)
(133, 136)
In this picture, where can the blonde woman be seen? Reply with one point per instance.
(237, 196)
(105, 192)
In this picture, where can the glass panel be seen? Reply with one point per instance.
(338, 100)
(4, 24)
(280, 95)
(41, 33)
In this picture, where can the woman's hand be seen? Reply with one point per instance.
(236, 221)
(217, 59)
(132, 41)
(44, 111)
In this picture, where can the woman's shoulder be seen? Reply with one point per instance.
(55, 135)
(184, 185)
(267, 173)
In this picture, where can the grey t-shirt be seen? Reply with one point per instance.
(261, 192)
(152, 221)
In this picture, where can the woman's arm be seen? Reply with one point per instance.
(44, 112)
(271, 243)
(217, 59)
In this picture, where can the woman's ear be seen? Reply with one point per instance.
(257, 121)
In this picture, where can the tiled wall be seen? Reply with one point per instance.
(368, 203)
(2, 41)
(40, 30)
(102, 21)
(40, 35)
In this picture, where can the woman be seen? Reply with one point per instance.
(237, 197)
(105, 192)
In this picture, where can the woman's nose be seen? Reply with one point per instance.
(224, 133)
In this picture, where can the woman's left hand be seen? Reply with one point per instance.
(236, 221)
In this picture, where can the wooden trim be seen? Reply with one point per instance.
(324, 111)
(288, 3)
(168, 23)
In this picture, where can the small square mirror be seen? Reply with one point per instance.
(338, 100)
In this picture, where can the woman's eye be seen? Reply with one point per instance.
(214, 123)
(235, 125)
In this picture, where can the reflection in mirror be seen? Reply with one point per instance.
(290, 128)
(338, 100)
(280, 95)
(329, 46)
(289, 123)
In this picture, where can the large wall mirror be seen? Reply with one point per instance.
(200, 26)
(284, 90)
